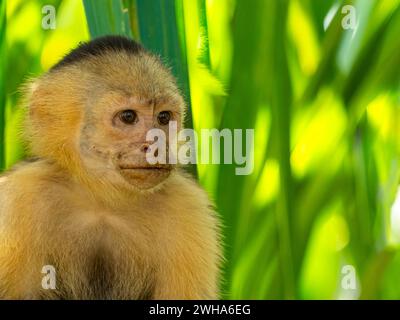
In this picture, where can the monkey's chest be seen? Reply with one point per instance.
(105, 265)
(101, 274)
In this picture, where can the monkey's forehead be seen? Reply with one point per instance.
(139, 76)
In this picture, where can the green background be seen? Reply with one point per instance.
(325, 105)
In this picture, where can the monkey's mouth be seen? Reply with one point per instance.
(145, 176)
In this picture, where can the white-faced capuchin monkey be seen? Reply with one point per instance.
(90, 205)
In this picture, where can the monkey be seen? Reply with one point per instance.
(112, 225)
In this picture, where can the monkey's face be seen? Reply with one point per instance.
(92, 111)
(113, 138)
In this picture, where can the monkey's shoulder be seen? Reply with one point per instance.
(32, 172)
(27, 182)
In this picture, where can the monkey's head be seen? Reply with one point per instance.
(91, 112)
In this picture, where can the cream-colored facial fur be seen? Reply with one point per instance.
(108, 235)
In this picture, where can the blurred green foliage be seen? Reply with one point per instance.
(2, 78)
(325, 105)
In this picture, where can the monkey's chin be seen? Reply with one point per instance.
(145, 178)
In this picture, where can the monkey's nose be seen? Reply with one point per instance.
(145, 148)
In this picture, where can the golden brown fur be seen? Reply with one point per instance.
(106, 238)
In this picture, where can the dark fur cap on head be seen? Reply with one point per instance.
(99, 46)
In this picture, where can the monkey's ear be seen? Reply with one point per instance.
(41, 103)
(52, 117)
(30, 88)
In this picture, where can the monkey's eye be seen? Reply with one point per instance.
(164, 117)
(128, 116)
